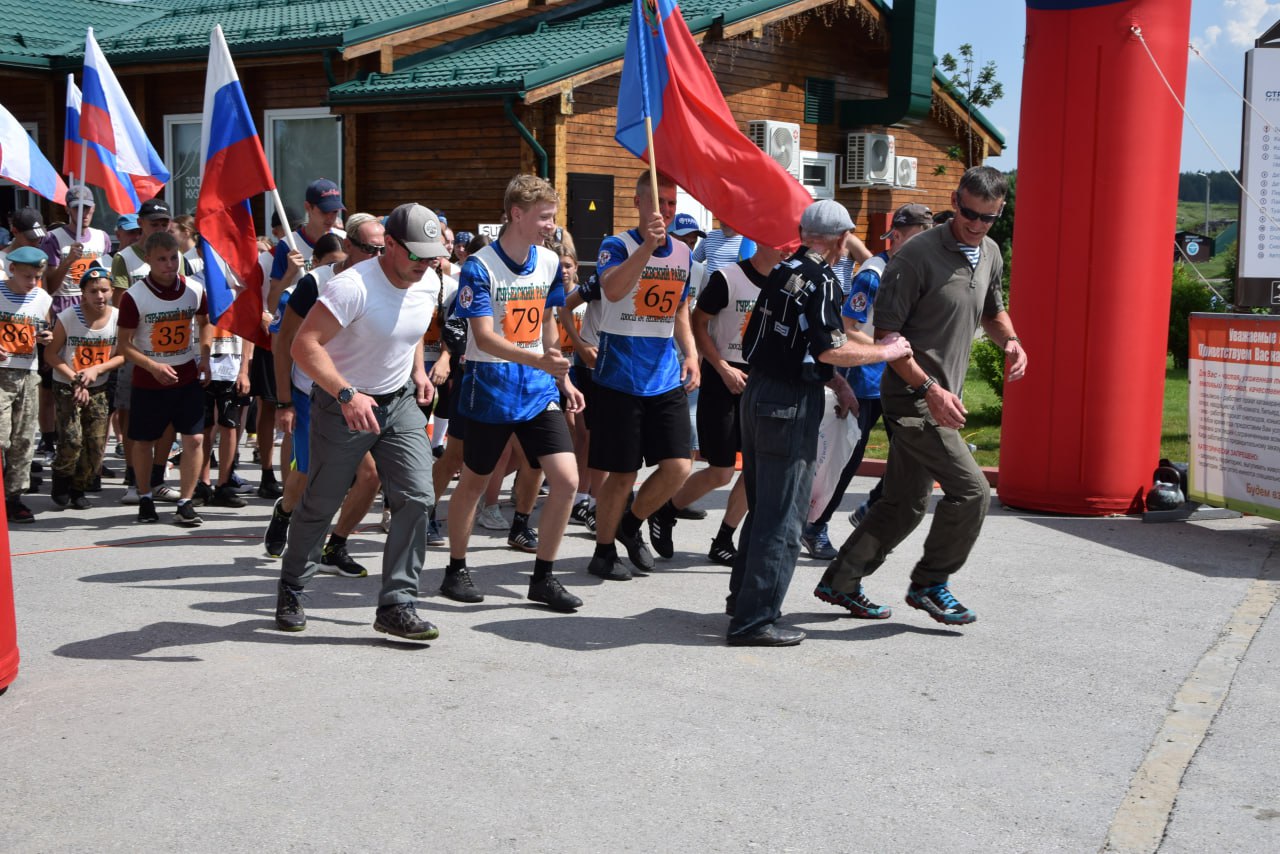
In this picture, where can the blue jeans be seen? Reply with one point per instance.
(780, 421)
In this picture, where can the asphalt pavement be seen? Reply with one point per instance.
(158, 709)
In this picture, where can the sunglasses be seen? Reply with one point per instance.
(969, 213)
(413, 258)
(368, 248)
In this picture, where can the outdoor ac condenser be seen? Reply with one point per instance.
(868, 160)
(779, 140)
(906, 171)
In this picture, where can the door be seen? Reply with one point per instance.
(590, 213)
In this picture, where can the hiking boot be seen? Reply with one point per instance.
(226, 496)
(336, 561)
(270, 489)
(434, 535)
(661, 523)
(277, 532)
(817, 543)
(550, 592)
(856, 603)
(458, 586)
(289, 614)
(523, 540)
(722, 553)
(147, 510)
(937, 602)
(16, 511)
(581, 512)
(60, 491)
(637, 552)
(609, 568)
(187, 516)
(491, 518)
(165, 492)
(403, 621)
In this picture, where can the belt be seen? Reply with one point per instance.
(384, 399)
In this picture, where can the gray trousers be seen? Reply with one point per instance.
(920, 453)
(402, 452)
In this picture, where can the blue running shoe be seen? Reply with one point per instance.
(817, 543)
(937, 602)
(857, 603)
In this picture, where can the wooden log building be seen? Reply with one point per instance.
(442, 101)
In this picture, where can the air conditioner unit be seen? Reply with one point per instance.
(906, 171)
(868, 160)
(779, 140)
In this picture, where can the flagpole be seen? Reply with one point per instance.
(84, 153)
(653, 161)
(284, 219)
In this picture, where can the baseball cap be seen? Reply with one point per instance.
(462, 238)
(684, 225)
(79, 194)
(128, 222)
(826, 216)
(94, 272)
(29, 255)
(909, 215)
(417, 229)
(325, 195)
(29, 222)
(154, 209)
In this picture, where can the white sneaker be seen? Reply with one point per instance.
(165, 492)
(130, 496)
(385, 524)
(491, 518)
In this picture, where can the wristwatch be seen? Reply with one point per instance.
(284, 404)
(347, 395)
(919, 391)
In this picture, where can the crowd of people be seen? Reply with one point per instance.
(404, 356)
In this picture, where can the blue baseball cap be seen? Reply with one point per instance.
(684, 225)
(128, 222)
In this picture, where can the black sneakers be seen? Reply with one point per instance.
(523, 539)
(185, 515)
(583, 514)
(289, 614)
(277, 532)
(550, 592)
(226, 495)
(458, 586)
(270, 489)
(336, 560)
(722, 553)
(608, 568)
(661, 522)
(639, 554)
(147, 510)
(403, 621)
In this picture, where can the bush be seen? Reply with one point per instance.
(988, 360)
(1189, 295)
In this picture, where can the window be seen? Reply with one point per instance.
(818, 174)
(302, 145)
(182, 157)
(819, 101)
(13, 197)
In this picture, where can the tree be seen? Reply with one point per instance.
(979, 90)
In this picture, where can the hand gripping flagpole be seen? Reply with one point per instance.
(284, 218)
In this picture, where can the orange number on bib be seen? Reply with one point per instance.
(522, 322)
(170, 336)
(18, 338)
(658, 297)
(78, 267)
(89, 355)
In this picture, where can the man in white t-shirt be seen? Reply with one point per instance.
(361, 344)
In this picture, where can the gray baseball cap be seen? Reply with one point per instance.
(826, 216)
(417, 229)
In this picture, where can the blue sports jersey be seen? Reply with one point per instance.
(516, 295)
(865, 379)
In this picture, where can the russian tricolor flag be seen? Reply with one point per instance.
(695, 137)
(100, 167)
(234, 171)
(22, 163)
(107, 119)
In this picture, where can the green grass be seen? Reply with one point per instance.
(982, 428)
(1191, 216)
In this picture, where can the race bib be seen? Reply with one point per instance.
(170, 337)
(658, 297)
(17, 337)
(522, 321)
(78, 268)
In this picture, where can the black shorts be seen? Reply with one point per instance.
(719, 430)
(262, 375)
(443, 404)
(635, 431)
(582, 377)
(154, 409)
(545, 434)
(222, 406)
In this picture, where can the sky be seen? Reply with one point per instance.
(1222, 30)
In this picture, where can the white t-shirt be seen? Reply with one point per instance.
(381, 325)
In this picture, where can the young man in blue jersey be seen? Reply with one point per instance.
(512, 383)
(642, 382)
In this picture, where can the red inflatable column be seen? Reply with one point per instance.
(8, 619)
(1099, 147)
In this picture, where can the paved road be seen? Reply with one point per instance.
(157, 709)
